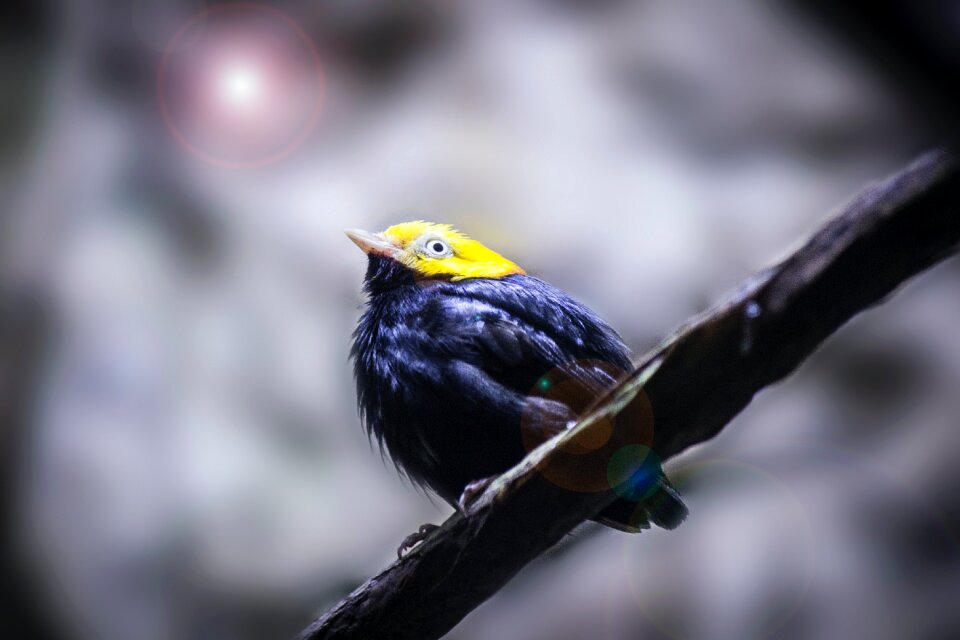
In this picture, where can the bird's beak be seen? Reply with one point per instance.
(373, 243)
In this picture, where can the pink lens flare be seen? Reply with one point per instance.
(240, 85)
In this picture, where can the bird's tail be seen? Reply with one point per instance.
(663, 507)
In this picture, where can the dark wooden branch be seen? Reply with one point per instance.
(696, 381)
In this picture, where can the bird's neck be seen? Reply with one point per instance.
(384, 274)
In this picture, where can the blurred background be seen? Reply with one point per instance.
(181, 451)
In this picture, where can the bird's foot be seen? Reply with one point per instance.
(416, 538)
(473, 491)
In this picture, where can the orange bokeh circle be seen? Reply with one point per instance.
(582, 462)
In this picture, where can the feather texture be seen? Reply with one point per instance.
(447, 370)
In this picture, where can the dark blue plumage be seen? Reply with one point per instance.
(445, 369)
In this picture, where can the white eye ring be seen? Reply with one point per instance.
(437, 248)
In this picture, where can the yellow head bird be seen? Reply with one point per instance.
(463, 363)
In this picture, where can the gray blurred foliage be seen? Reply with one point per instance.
(195, 467)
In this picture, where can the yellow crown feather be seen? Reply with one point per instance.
(455, 256)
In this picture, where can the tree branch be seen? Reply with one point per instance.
(696, 381)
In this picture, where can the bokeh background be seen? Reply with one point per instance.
(182, 456)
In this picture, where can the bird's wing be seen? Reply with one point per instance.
(501, 357)
(548, 357)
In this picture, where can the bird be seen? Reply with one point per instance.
(464, 363)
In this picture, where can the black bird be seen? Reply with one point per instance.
(463, 363)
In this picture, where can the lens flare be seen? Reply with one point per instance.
(240, 85)
(593, 459)
(633, 472)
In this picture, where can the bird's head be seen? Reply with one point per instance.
(433, 250)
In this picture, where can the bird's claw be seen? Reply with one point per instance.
(473, 491)
(416, 538)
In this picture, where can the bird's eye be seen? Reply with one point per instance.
(437, 248)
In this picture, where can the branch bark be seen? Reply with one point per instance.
(696, 381)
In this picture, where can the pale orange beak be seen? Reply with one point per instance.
(373, 243)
